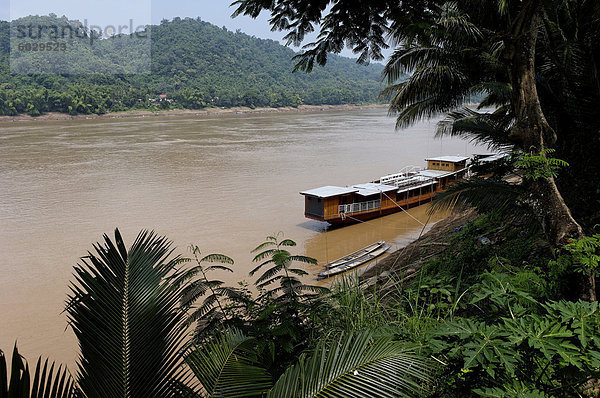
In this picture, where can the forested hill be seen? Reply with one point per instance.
(194, 63)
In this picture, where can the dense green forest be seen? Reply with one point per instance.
(195, 64)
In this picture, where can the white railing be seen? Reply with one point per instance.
(407, 173)
(358, 207)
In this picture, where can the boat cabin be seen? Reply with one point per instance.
(391, 193)
(448, 163)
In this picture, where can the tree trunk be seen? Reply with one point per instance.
(531, 130)
(592, 285)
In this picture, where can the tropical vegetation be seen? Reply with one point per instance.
(127, 307)
(508, 307)
(490, 320)
(194, 64)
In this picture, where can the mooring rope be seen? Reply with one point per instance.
(355, 219)
(394, 202)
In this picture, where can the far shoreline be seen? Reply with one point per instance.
(186, 112)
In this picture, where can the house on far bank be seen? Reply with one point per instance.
(161, 97)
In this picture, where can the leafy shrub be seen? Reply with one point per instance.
(520, 345)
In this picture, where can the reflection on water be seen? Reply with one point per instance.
(223, 183)
(397, 229)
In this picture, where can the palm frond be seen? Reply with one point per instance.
(297, 271)
(263, 254)
(217, 267)
(428, 81)
(303, 259)
(216, 258)
(47, 382)
(192, 292)
(3, 376)
(270, 273)
(485, 195)
(491, 129)
(287, 242)
(457, 24)
(258, 267)
(356, 365)
(497, 94)
(262, 285)
(123, 308)
(449, 61)
(407, 59)
(227, 367)
(422, 109)
(429, 91)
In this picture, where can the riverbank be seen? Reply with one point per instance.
(405, 262)
(188, 112)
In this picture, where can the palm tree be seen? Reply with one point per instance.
(123, 308)
(281, 270)
(217, 307)
(474, 48)
(280, 313)
(445, 67)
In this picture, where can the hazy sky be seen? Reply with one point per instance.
(119, 12)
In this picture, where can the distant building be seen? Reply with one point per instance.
(161, 97)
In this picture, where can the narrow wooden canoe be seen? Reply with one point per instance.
(355, 263)
(354, 255)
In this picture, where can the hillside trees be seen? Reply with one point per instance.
(194, 63)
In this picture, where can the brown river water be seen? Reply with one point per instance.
(223, 183)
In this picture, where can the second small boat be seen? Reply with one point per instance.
(355, 262)
(353, 256)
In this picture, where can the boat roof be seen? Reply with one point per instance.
(451, 159)
(329, 191)
(494, 157)
(435, 173)
(371, 188)
(406, 189)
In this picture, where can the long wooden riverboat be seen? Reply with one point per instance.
(411, 186)
(356, 262)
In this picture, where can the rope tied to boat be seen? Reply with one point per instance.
(401, 208)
